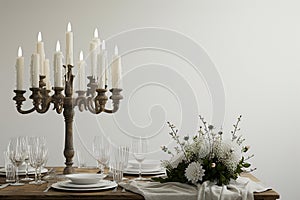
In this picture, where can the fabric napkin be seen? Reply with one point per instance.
(240, 189)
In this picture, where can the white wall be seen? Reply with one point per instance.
(254, 45)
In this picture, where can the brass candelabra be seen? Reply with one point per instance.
(94, 100)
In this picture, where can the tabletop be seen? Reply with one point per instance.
(28, 191)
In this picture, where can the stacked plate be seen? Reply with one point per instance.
(149, 167)
(22, 171)
(85, 182)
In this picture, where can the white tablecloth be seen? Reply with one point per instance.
(240, 189)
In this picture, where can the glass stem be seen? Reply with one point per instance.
(26, 170)
(140, 170)
(17, 174)
(39, 174)
(35, 175)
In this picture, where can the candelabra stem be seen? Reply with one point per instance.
(69, 150)
(69, 115)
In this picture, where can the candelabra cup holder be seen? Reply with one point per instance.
(94, 100)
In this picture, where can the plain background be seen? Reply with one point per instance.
(255, 46)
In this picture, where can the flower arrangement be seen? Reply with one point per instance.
(206, 157)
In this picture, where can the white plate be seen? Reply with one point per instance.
(146, 164)
(22, 172)
(85, 178)
(111, 185)
(145, 172)
(100, 184)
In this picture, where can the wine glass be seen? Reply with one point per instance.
(139, 147)
(25, 141)
(101, 151)
(17, 155)
(37, 157)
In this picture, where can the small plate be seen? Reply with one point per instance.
(111, 185)
(85, 178)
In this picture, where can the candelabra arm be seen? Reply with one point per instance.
(81, 101)
(19, 98)
(58, 99)
(46, 100)
(90, 104)
(100, 101)
(115, 97)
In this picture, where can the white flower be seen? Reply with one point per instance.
(199, 148)
(175, 160)
(228, 152)
(194, 172)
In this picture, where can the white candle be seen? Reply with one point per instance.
(106, 65)
(58, 77)
(40, 50)
(69, 45)
(102, 64)
(35, 70)
(81, 72)
(116, 70)
(93, 54)
(20, 69)
(47, 74)
(94, 51)
(97, 40)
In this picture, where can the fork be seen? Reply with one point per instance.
(48, 187)
(4, 185)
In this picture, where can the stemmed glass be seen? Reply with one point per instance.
(139, 147)
(37, 156)
(25, 141)
(16, 152)
(101, 151)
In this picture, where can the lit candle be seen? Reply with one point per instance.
(97, 40)
(35, 70)
(20, 69)
(58, 78)
(116, 70)
(40, 50)
(47, 74)
(106, 65)
(69, 45)
(102, 63)
(81, 72)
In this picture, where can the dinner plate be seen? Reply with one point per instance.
(110, 185)
(146, 164)
(100, 184)
(22, 172)
(133, 171)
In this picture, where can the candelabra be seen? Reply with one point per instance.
(94, 100)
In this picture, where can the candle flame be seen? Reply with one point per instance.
(81, 56)
(19, 52)
(96, 35)
(57, 46)
(116, 50)
(103, 45)
(69, 29)
(39, 37)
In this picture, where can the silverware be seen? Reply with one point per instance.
(48, 187)
(4, 185)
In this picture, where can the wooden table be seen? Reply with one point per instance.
(36, 191)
